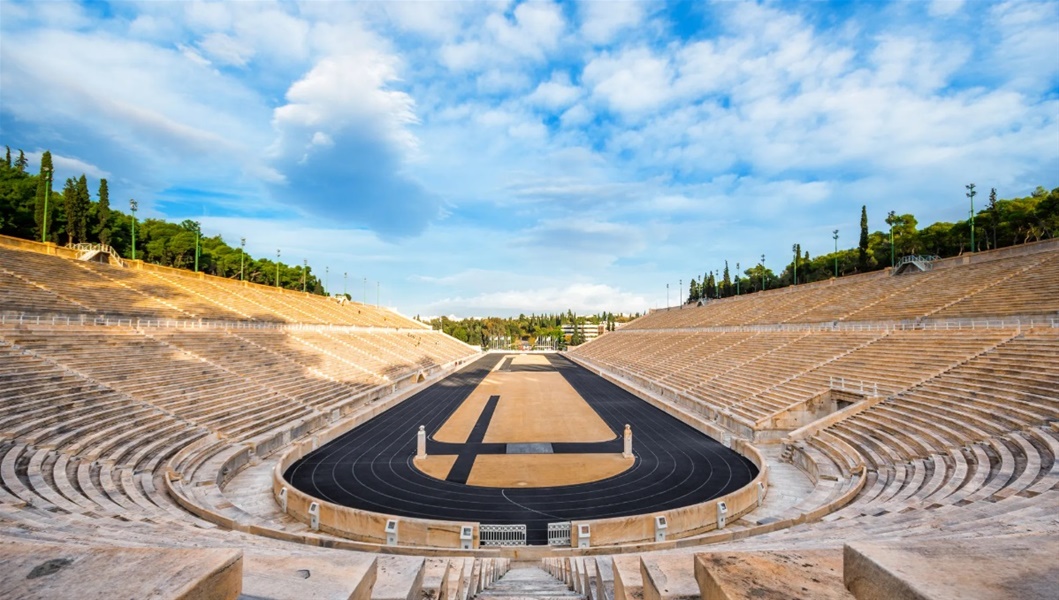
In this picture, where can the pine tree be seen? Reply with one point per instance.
(44, 182)
(21, 163)
(103, 213)
(862, 252)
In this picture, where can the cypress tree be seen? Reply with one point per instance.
(21, 163)
(70, 202)
(103, 212)
(79, 221)
(43, 183)
(862, 251)
(7, 156)
(726, 283)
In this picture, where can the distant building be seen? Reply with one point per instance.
(589, 330)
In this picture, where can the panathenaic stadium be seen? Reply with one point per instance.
(886, 435)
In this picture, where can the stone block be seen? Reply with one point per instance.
(335, 576)
(669, 577)
(779, 575)
(1020, 567)
(39, 571)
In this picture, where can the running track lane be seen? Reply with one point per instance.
(371, 467)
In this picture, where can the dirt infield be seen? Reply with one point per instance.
(545, 470)
(436, 465)
(534, 407)
(542, 407)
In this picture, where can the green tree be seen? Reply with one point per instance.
(862, 254)
(69, 202)
(78, 221)
(43, 221)
(7, 156)
(103, 213)
(21, 163)
(994, 214)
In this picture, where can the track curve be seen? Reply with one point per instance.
(370, 467)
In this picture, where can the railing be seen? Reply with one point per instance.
(924, 262)
(559, 534)
(85, 247)
(1013, 322)
(862, 387)
(23, 318)
(501, 535)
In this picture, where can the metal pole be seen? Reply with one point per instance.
(736, 279)
(345, 284)
(277, 268)
(198, 235)
(796, 251)
(133, 206)
(47, 196)
(667, 295)
(970, 194)
(305, 267)
(836, 253)
(242, 255)
(327, 280)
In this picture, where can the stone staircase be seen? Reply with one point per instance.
(526, 580)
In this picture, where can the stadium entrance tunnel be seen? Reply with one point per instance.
(513, 442)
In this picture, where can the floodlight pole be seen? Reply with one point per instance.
(736, 279)
(364, 299)
(47, 195)
(970, 194)
(242, 255)
(836, 252)
(198, 235)
(796, 251)
(305, 267)
(345, 284)
(133, 205)
(667, 295)
(277, 268)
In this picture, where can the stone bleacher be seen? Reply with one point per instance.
(115, 439)
(37, 283)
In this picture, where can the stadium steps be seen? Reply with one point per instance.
(525, 581)
(992, 283)
(177, 312)
(176, 282)
(46, 290)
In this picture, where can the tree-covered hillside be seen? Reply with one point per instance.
(74, 215)
(999, 223)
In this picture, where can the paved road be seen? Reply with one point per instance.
(371, 468)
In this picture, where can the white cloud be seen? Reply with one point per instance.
(945, 8)
(632, 82)
(602, 21)
(583, 298)
(226, 50)
(555, 93)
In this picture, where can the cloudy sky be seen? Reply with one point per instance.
(494, 158)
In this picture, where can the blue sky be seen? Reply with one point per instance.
(494, 158)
